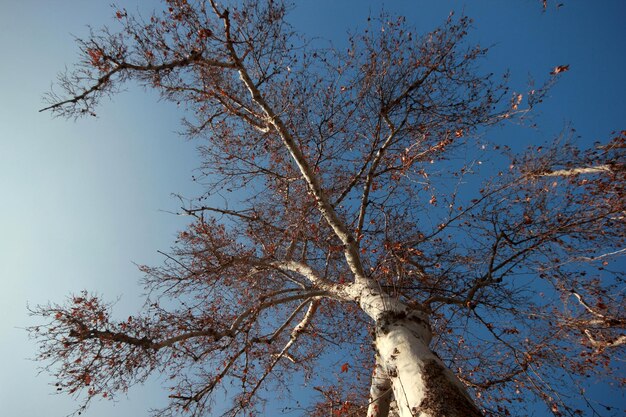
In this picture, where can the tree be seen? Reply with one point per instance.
(360, 222)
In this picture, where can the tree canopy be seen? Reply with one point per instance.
(366, 214)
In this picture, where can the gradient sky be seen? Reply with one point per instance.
(82, 201)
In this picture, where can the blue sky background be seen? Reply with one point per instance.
(80, 202)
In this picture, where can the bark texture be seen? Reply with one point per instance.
(443, 396)
(422, 385)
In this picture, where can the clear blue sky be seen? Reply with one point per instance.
(82, 201)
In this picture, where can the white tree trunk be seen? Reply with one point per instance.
(380, 391)
(422, 385)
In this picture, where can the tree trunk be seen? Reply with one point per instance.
(421, 383)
